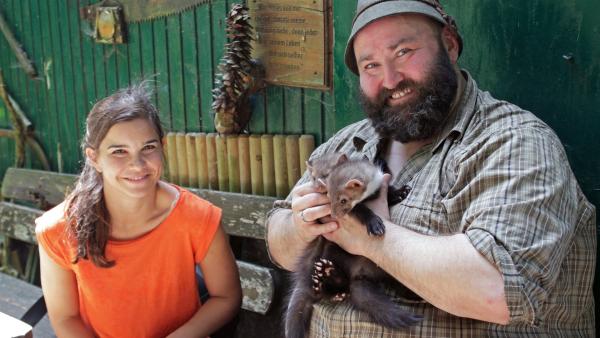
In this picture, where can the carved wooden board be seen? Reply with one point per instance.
(292, 41)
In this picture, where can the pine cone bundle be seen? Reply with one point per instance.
(236, 78)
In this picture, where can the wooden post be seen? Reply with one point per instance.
(279, 160)
(200, 139)
(172, 158)
(184, 178)
(211, 156)
(192, 161)
(293, 160)
(256, 165)
(244, 152)
(307, 146)
(268, 170)
(222, 162)
(233, 163)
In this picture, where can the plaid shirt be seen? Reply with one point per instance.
(501, 176)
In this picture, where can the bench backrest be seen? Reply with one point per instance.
(27, 193)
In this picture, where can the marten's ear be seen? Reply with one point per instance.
(343, 158)
(308, 165)
(354, 184)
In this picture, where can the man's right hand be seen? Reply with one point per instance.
(311, 210)
(290, 231)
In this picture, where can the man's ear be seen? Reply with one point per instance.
(450, 41)
(92, 157)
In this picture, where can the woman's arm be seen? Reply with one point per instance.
(60, 293)
(223, 284)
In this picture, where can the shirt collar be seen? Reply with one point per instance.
(461, 112)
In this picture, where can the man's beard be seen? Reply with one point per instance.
(424, 115)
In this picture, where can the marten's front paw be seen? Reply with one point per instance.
(375, 226)
(323, 268)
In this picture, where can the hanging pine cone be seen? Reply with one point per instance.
(238, 75)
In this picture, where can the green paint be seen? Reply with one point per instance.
(175, 72)
(205, 65)
(161, 67)
(190, 71)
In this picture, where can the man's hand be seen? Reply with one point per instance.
(290, 231)
(310, 207)
(352, 235)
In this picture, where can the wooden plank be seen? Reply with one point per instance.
(134, 53)
(36, 185)
(275, 110)
(122, 64)
(63, 88)
(40, 114)
(6, 144)
(147, 54)
(313, 110)
(162, 72)
(175, 64)
(293, 110)
(258, 287)
(244, 215)
(110, 61)
(78, 88)
(86, 45)
(18, 221)
(205, 65)
(16, 297)
(190, 77)
(49, 71)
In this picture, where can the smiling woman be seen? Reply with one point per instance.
(124, 240)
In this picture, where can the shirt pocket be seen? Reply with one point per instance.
(422, 210)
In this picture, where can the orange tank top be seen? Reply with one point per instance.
(151, 290)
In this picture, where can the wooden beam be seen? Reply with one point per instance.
(243, 215)
(258, 287)
(18, 221)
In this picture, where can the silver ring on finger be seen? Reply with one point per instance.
(302, 217)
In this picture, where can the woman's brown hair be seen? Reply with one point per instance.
(86, 214)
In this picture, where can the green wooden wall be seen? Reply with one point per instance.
(180, 52)
(515, 49)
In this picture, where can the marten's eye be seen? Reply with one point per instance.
(343, 201)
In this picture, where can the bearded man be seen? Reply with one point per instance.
(495, 235)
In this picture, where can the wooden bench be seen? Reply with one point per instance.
(17, 300)
(26, 193)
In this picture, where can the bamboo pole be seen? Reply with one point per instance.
(256, 165)
(268, 170)
(211, 156)
(184, 176)
(307, 146)
(192, 161)
(172, 158)
(244, 152)
(222, 167)
(233, 163)
(201, 156)
(279, 160)
(293, 160)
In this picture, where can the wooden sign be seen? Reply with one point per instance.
(292, 41)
